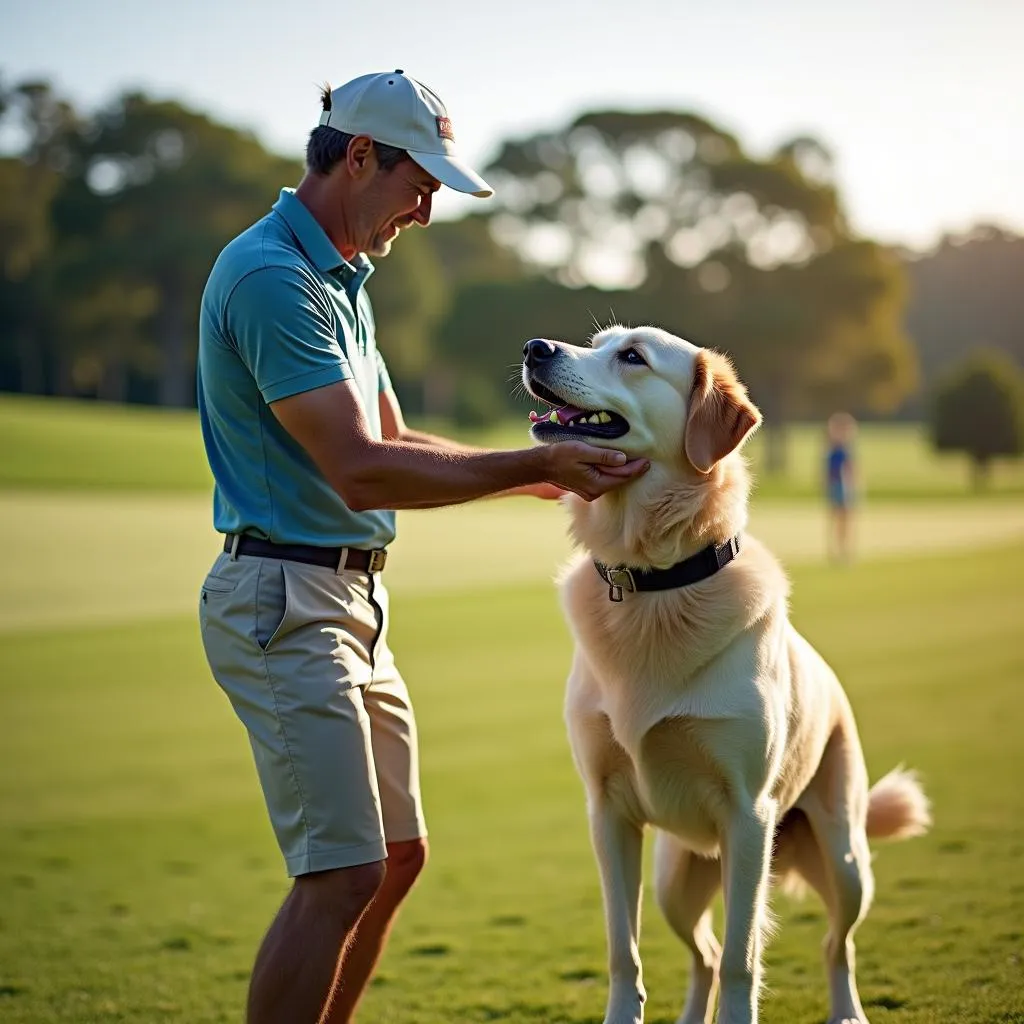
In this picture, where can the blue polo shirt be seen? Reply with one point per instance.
(283, 313)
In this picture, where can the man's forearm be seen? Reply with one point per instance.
(411, 436)
(404, 474)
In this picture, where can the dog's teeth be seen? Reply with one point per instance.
(603, 417)
(553, 418)
(595, 418)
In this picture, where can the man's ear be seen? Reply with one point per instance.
(720, 414)
(360, 156)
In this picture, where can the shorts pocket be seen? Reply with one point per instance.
(218, 584)
(291, 596)
(214, 588)
(271, 602)
(215, 599)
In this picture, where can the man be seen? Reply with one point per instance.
(310, 456)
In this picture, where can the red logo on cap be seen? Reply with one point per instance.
(445, 129)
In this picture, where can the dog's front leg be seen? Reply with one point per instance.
(746, 859)
(618, 845)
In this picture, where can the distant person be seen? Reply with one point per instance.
(840, 485)
(310, 456)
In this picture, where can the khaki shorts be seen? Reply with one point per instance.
(301, 651)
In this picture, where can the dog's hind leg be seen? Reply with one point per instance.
(684, 883)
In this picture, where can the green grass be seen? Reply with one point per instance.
(62, 444)
(98, 557)
(65, 444)
(137, 872)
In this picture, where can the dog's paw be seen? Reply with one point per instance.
(848, 1020)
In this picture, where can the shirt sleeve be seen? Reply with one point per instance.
(285, 333)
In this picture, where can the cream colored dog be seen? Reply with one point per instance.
(699, 709)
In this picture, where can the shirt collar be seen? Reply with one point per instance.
(317, 246)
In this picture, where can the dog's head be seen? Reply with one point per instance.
(644, 392)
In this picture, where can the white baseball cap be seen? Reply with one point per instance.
(395, 109)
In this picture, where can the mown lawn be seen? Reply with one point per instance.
(137, 872)
(61, 444)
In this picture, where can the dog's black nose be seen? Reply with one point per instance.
(538, 351)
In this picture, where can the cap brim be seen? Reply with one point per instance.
(453, 173)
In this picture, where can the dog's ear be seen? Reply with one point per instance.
(720, 414)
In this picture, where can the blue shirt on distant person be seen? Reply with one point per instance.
(283, 312)
(838, 472)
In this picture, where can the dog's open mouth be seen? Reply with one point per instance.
(568, 420)
(564, 420)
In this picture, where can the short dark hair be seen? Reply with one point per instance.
(327, 146)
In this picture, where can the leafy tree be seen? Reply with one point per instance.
(483, 334)
(596, 200)
(108, 227)
(42, 123)
(410, 296)
(25, 244)
(420, 279)
(979, 409)
(157, 190)
(967, 288)
(465, 251)
(102, 322)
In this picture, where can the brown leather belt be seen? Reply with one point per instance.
(357, 559)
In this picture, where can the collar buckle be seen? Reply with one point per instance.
(726, 552)
(619, 578)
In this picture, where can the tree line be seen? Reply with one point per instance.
(110, 221)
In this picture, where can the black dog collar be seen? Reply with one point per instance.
(690, 570)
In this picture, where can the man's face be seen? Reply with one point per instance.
(390, 201)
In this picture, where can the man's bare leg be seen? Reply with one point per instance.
(297, 965)
(405, 862)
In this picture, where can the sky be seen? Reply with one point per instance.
(920, 101)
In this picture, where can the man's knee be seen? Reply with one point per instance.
(342, 889)
(405, 862)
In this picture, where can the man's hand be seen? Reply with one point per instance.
(589, 471)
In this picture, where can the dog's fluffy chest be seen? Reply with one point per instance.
(688, 688)
(692, 652)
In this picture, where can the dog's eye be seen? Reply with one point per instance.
(631, 356)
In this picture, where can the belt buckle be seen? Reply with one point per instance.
(378, 559)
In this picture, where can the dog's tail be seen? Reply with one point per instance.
(897, 807)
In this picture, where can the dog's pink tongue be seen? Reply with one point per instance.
(562, 415)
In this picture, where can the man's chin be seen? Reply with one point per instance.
(380, 247)
(381, 244)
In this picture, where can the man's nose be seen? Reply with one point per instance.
(537, 351)
(422, 212)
